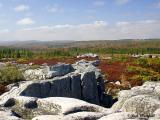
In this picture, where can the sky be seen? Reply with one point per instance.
(79, 19)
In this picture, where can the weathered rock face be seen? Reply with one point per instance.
(144, 105)
(139, 103)
(56, 96)
(48, 72)
(75, 86)
(28, 107)
(84, 66)
(143, 100)
(68, 105)
(60, 69)
(62, 87)
(85, 82)
(37, 74)
(89, 87)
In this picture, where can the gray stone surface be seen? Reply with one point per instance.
(68, 105)
(35, 98)
(29, 107)
(157, 113)
(143, 100)
(48, 117)
(139, 103)
(120, 116)
(8, 115)
(89, 87)
(47, 72)
(74, 116)
(143, 105)
(35, 74)
(84, 116)
(82, 86)
(86, 66)
(60, 69)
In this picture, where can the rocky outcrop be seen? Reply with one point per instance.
(143, 105)
(48, 72)
(89, 87)
(143, 100)
(29, 107)
(36, 74)
(139, 103)
(59, 69)
(56, 96)
(73, 86)
(90, 116)
(84, 66)
(85, 82)
(88, 55)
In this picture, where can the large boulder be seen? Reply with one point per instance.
(47, 72)
(143, 100)
(67, 105)
(143, 105)
(35, 74)
(60, 69)
(29, 107)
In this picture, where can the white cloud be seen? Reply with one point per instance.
(98, 30)
(122, 23)
(21, 8)
(54, 9)
(99, 3)
(121, 2)
(4, 31)
(25, 21)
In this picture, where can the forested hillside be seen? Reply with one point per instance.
(76, 48)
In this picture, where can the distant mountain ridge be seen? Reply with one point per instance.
(36, 44)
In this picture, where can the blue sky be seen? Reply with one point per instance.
(79, 19)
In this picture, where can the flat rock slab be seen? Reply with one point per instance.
(7, 115)
(29, 107)
(48, 117)
(68, 105)
(120, 116)
(74, 116)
